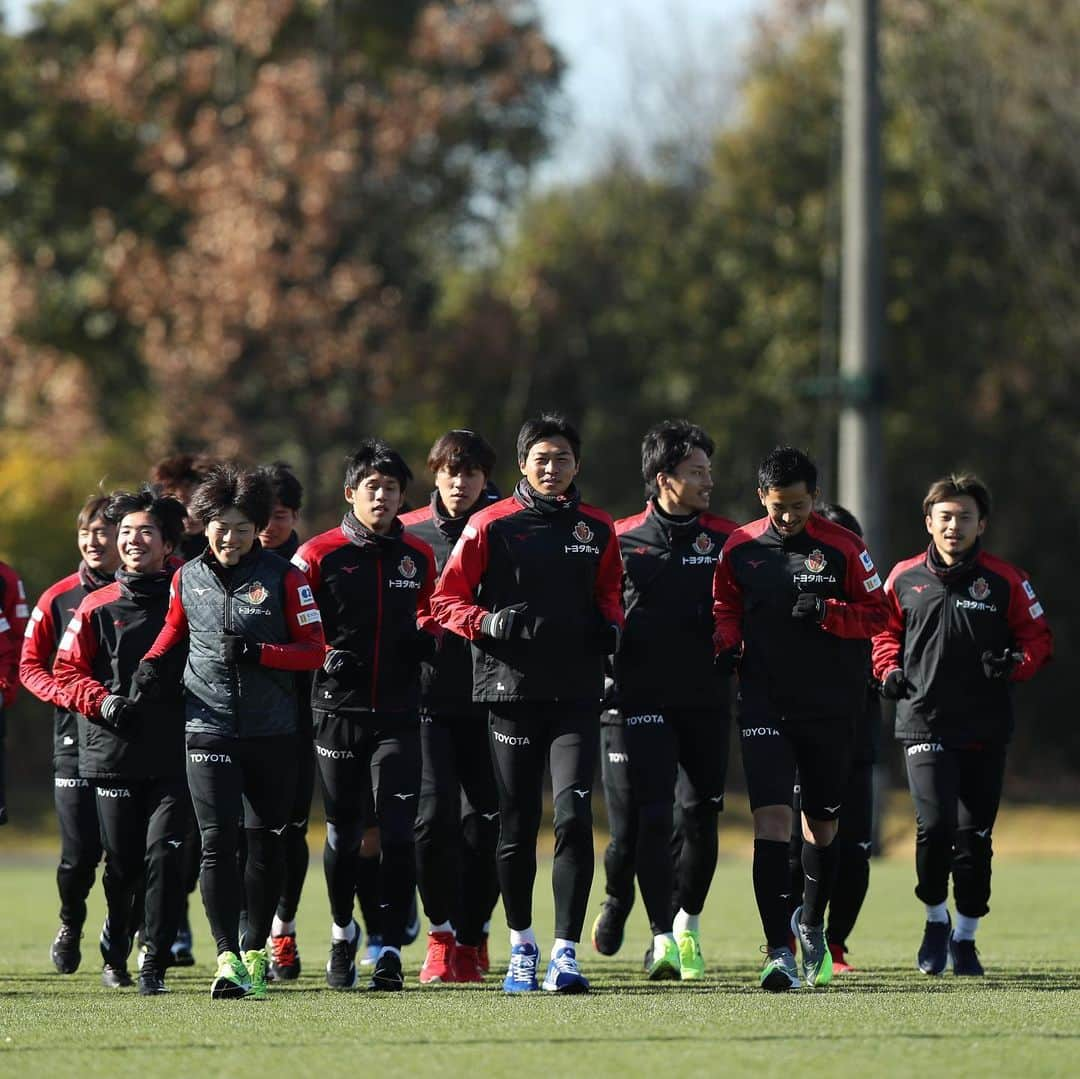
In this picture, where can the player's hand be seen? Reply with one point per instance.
(145, 682)
(809, 607)
(725, 663)
(1001, 666)
(423, 648)
(896, 686)
(121, 714)
(343, 665)
(236, 649)
(505, 624)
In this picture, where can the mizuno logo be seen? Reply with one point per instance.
(582, 794)
(984, 833)
(404, 797)
(717, 798)
(866, 845)
(490, 816)
(349, 569)
(754, 564)
(832, 809)
(201, 591)
(174, 843)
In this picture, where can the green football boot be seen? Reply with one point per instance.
(257, 963)
(691, 961)
(231, 980)
(816, 957)
(662, 963)
(779, 973)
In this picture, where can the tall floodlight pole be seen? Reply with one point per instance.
(861, 468)
(859, 444)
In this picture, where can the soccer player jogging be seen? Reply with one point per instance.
(535, 584)
(80, 837)
(457, 821)
(964, 627)
(250, 622)
(794, 598)
(674, 706)
(373, 582)
(14, 613)
(280, 536)
(854, 838)
(132, 751)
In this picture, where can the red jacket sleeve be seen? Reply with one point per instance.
(865, 611)
(175, 630)
(887, 652)
(727, 605)
(307, 646)
(453, 603)
(35, 663)
(307, 562)
(13, 619)
(609, 579)
(1031, 631)
(74, 664)
(424, 619)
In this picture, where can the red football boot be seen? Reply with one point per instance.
(438, 968)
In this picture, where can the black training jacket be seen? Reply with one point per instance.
(666, 653)
(941, 620)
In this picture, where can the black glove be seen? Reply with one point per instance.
(726, 662)
(120, 714)
(342, 664)
(145, 682)
(505, 624)
(236, 649)
(809, 606)
(1000, 666)
(896, 687)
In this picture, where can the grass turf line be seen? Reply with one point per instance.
(1023, 1018)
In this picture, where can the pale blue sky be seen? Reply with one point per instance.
(637, 69)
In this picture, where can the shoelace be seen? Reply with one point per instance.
(566, 962)
(523, 966)
(439, 951)
(284, 949)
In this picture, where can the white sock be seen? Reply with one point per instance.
(560, 943)
(684, 921)
(393, 951)
(965, 927)
(937, 912)
(442, 927)
(278, 928)
(661, 941)
(522, 936)
(343, 932)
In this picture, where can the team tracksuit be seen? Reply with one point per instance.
(373, 590)
(559, 558)
(668, 741)
(241, 723)
(80, 836)
(137, 773)
(957, 723)
(457, 820)
(801, 684)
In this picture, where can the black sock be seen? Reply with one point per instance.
(770, 889)
(819, 869)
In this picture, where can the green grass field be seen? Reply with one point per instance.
(1023, 1018)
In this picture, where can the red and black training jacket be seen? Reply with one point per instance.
(14, 613)
(791, 668)
(373, 591)
(564, 564)
(48, 621)
(940, 624)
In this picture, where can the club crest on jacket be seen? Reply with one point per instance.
(815, 561)
(407, 567)
(582, 532)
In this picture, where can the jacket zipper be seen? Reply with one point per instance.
(234, 673)
(378, 628)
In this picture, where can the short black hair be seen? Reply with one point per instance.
(957, 485)
(229, 486)
(93, 508)
(374, 455)
(840, 516)
(287, 488)
(168, 512)
(461, 451)
(547, 425)
(668, 444)
(784, 467)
